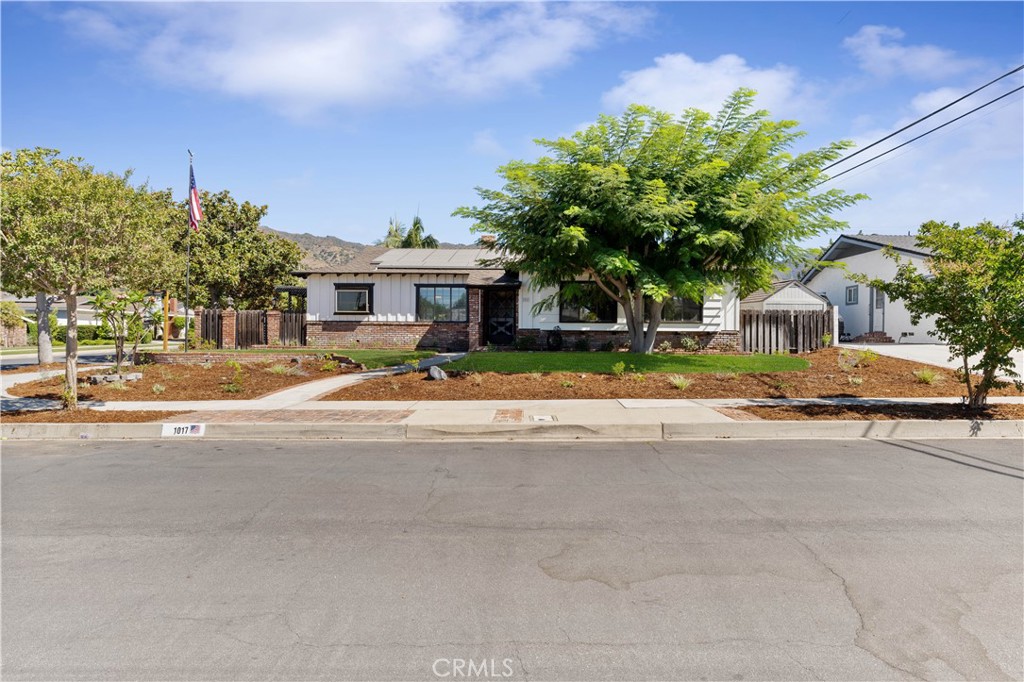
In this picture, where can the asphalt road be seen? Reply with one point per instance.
(337, 560)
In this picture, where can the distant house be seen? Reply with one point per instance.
(448, 298)
(787, 294)
(867, 315)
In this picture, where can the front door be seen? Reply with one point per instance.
(500, 325)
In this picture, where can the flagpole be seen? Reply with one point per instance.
(188, 248)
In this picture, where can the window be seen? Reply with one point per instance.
(879, 299)
(585, 302)
(680, 309)
(442, 304)
(851, 295)
(352, 299)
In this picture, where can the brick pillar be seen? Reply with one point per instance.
(273, 327)
(227, 327)
(196, 332)
(473, 328)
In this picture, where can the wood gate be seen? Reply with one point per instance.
(785, 331)
(293, 329)
(250, 328)
(210, 326)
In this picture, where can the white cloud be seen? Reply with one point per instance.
(305, 58)
(486, 144)
(677, 82)
(880, 52)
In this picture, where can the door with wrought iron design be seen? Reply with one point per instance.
(501, 316)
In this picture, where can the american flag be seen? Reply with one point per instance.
(195, 211)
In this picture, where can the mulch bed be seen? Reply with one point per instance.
(883, 377)
(883, 412)
(185, 382)
(84, 416)
(24, 369)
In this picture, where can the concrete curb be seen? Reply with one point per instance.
(768, 430)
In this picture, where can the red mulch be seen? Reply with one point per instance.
(84, 416)
(881, 412)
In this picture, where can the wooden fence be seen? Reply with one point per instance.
(250, 328)
(293, 329)
(786, 331)
(210, 327)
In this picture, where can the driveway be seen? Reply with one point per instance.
(928, 353)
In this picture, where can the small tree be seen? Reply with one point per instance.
(124, 313)
(975, 290)
(651, 207)
(67, 229)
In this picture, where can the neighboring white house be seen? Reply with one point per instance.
(865, 312)
(447, 298)
(788, 294)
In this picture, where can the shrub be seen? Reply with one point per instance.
(568, 384)
(206, 365)
(159, 388)
(927, 376)
(279, 369)
(855, 381)
(619, 368)
(525, 343)
(232, 388)
(581, 344)
(679, 381)
(826, 340)
(665, 346)
(118, 386)
(866, 357)
(608, 346)
(10, 314)
(329, 366)
(536, 376)
(235, 385)
(477, 379)
(60, 333)
(87, 333)
(689, 344)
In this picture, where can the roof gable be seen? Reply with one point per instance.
(848, 245)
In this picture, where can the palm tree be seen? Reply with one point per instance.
(395, 237)
(416, 239)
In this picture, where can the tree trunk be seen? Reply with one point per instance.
(651, 335)
(70, 395)
(44, 344)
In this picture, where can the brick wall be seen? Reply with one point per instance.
(199, 357)
(451, 336)
(273, 327)
(710, 342)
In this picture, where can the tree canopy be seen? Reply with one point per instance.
(68, 230)
(974, 288)
(232, 257)
(652, 206)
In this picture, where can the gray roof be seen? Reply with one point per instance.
(775, 288)
(904, 242)
(382, 260)
(847, 245)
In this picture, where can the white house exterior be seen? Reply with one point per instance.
(446, 298)
(785, 295)
(866, 314)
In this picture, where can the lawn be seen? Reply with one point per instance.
(601, 363)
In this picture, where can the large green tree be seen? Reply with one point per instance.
(974, 288)
(69, 230)
(232, 257)
(652, 206)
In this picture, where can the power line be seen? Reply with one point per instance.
(954, 120)
(923, 118)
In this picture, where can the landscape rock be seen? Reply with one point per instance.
(435, 373)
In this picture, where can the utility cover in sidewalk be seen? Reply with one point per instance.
(542, 418)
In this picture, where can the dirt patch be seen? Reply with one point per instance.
(829, 376)
(879, 412)
(213, 381)
(84, 416)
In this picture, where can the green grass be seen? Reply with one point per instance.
(602, 363)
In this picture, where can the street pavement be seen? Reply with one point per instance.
(751, 560)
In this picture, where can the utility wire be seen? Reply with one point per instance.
(954, 120)
(923, 118)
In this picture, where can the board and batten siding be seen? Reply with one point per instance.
(789, 298)
(394, 296)
(721, 313)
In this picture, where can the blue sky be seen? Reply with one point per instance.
(341, 115)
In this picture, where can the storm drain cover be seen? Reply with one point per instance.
(542, 418)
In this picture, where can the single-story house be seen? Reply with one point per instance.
(787, 294)
(448, 298)
(867, 315)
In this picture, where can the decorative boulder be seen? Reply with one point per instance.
(435, 373)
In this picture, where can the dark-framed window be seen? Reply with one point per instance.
(442, 303)
(852, 294)
(681, 309)
(353, 299)
(585, 302)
